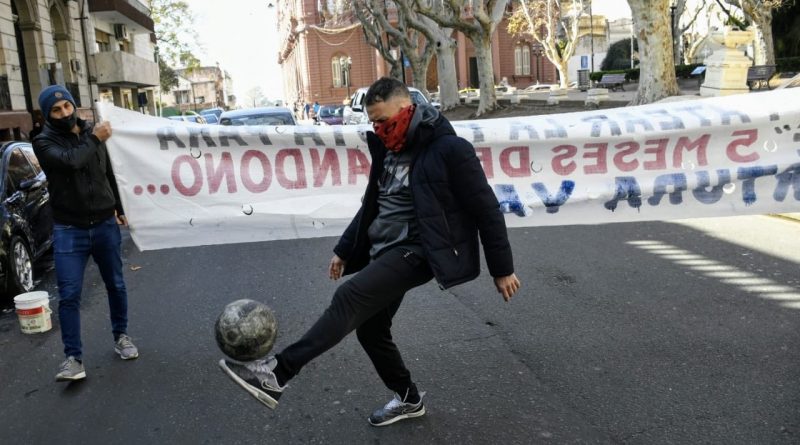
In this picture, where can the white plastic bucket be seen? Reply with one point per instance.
(33, 310)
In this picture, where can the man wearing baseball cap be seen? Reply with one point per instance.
(86, 214)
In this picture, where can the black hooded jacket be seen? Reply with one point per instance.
(453, 201)
(83, 191)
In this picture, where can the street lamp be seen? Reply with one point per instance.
(346, 63)
(672, 9)
(537, 51)
(591, 33)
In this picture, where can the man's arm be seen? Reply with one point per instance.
(63, 158)
(472, 190)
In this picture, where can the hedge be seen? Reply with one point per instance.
(681, 71)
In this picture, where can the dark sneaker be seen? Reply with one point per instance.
(125, 348)
(257, 378)
(70, 370)
(396, 410)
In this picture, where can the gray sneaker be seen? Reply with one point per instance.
(396, 410)
(70, 370)
(125, 348)
(256, 378)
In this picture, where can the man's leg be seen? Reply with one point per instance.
(107, 254)
(382, 283)
(70, 253)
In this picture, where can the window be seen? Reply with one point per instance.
(102, 41)
(526, 60)
(336, 69)
(19, 169)
(522, 60)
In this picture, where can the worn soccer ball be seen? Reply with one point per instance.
(246, 330)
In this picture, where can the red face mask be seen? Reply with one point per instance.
(393, 130)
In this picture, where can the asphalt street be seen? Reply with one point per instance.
(645, 333)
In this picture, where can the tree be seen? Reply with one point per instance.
(168, 78)
(477, 20)
(657, 70)
(557, 32)
(619, 55)
(255, 96)
(445, 46)
(760, 13)
(374, 34)
(682, 26)
(174, 28)
(415, 46)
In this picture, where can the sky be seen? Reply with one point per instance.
(244, 40)
(242, 36)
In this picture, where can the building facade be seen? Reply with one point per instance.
(98, 49)
(325, 61)
(200, 88)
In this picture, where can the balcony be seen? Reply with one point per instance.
(130, 13)
(121, 69)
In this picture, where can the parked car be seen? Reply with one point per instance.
(189, 118)
(216, 111)
(26, 219)
(537, 87)
(357, 114)
(330, 115)
(258, 116)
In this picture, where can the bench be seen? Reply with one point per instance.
(759, 75)
(612, 81)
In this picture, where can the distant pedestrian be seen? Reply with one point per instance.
(414, 224)
(306, 110)
(86, 214)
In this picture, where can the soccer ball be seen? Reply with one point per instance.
(246, 330)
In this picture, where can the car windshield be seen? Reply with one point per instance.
(259, 119)
(418, 98)
(330, 112)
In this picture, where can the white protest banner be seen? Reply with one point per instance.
(188, 184)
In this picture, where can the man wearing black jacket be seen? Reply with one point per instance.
(86, 211)
(426, 206)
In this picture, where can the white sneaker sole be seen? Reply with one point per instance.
(130, 357)
(400, 417)
(261, 396)
(79, 376)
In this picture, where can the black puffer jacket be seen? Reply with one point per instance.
(452, 199)
(82, 187)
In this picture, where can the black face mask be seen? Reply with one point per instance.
(65, 124)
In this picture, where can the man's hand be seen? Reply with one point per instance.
(102, 131)
(122, 220)
(336, 268)
(507, 285)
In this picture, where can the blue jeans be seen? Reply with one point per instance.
(72, 247)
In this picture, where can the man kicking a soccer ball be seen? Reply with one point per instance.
(426, 205)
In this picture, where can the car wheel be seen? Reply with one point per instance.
(20, 267)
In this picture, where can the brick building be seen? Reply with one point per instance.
(326, 61)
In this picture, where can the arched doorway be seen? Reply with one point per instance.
(61, 72)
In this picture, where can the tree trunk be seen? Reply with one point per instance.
(446, 64)
(420, 72)
(483, 53)
(764, 47)
(657, 72)
(563, 73)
